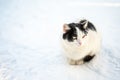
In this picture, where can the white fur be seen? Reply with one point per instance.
(90, 45)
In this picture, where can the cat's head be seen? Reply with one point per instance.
(77, 32)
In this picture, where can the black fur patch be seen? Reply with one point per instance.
(90, 26)
(72, 32)
(88, 58)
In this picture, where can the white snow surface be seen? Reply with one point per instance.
(30, 33)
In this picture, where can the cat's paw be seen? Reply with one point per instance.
(79, 62)
(88, 58)
(75, 62)
(72, 62)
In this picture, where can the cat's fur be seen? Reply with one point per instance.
(81, 41)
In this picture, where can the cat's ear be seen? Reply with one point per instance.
(65, 28)
(84, 23)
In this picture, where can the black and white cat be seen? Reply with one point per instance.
(81, 41)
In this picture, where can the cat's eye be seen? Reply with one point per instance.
(74, 38)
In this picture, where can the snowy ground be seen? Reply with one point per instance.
(30, 39)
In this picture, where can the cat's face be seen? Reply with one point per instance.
(76, 33)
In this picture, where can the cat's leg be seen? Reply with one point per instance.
(80, 61)
(71, 61)
(75, 62)
(88, 58)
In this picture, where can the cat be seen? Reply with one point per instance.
(81, 42)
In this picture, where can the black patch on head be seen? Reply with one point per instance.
(90, 26)
(88, 58)
(73, 32)
(70, 33)
(80, 27)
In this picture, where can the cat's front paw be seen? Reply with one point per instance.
(75, 62)
(72, 62)
(79, 62)
(88, 58)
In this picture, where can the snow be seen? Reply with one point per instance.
(30, 32)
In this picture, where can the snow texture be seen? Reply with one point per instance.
(30, 33)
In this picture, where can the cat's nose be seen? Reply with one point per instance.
(79, 42)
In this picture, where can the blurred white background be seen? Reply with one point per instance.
(30, 33)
